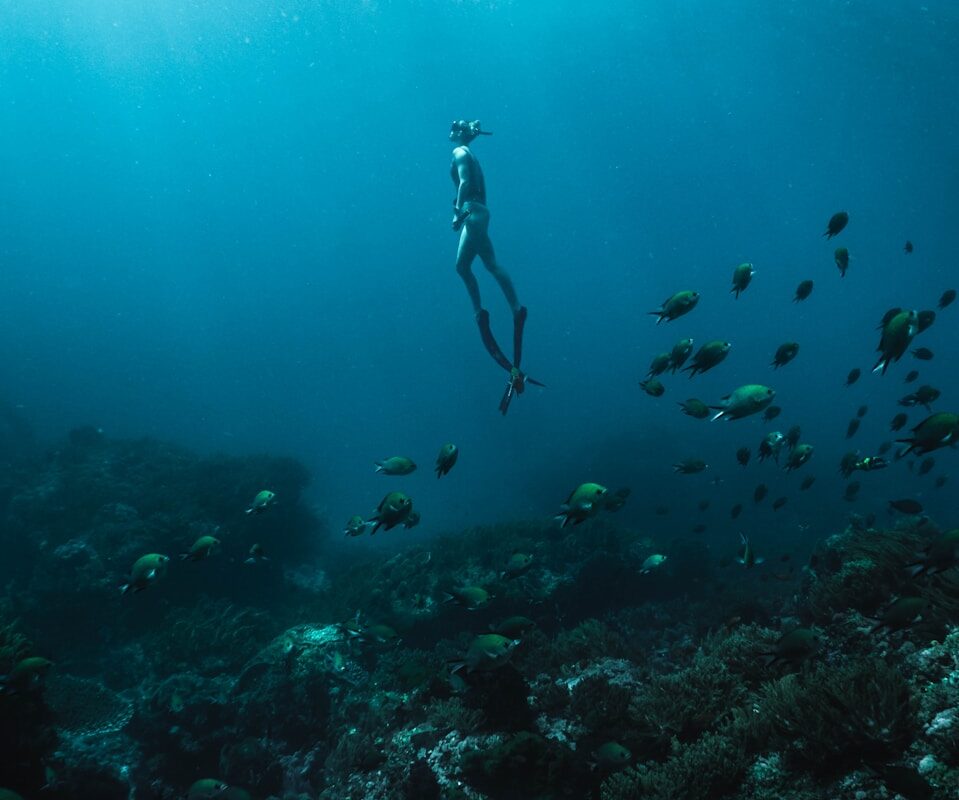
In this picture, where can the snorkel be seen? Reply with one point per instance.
(467, 131)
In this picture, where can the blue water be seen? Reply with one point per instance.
(228, 225)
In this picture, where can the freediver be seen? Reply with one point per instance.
(471, 221)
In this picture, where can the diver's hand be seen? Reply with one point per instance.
(459, 219)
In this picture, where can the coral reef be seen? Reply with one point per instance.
(290, 693)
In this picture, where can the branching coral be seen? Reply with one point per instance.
(454, 715)
(214, 633)
(684, 704)
(858, 569)
(832, 718)
(84, 708)
(710, 768)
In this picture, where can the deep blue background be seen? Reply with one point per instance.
(228, 225)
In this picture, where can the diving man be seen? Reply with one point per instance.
(471, 221)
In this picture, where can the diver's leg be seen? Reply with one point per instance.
(488, 256)
(464, 259)
(464, 268)
(484, 249)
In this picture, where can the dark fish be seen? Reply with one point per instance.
(703, 505)
(747, 556)
(911, 376)
(691, 466)
(742, 455)
(852, 489)
(947, 298)
(851, 428)
(906, 506)
(616, 500)
(897, 335)
(760, 492)
(853, 376)
(658, 365)
(736, 510)
(785, 557)
(653, 387)
(939, 555)
(707, 357)
(676, 305)
(837, 222)
(885, 447)
(680, 353)
(907, 247)
(887, 318)
(784, 354)
(803, 291)
(923, 354)
(847, 464)
(925, 319)
(779, 502)
(771, 413)
(941, 481)
(807, 482)
(938, 430)
(792, 436)
(700, 528)
(694, 408)
(742, 276)
(898, 422)
(842, 260)
(863, 410)
(926, 465)
(924, 396)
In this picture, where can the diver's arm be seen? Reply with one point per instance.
(465, 186)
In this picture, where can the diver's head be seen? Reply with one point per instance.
(463, 132)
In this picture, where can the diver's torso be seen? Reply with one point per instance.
(476, 182)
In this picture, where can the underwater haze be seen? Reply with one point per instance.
(229, 225)
(228, 245)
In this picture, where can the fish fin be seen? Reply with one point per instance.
(743, 538)
(455, 666)
(741, 560)
(151, 574)
(717, 416)
(759, 560)
(248, 511)
(124, 588)
(250, 560)
(184, 556)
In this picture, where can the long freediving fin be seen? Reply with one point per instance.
(482, 319)
(519, 322)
